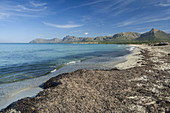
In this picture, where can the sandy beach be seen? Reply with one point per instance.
(141, 84)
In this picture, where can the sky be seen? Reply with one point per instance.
(24, 20)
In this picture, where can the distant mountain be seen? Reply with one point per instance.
(152, 35)
(72, 39)
(125, 36)
(39, 40)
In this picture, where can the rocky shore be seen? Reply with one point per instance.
(142, 84)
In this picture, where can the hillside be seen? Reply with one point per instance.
(72, 39)
(39, 40)
(154, 35)
(125, 36)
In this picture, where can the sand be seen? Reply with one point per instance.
(131, 59)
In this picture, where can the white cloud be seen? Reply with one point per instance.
(143, 20)
(126, 23)
(164, 3)
(24, 15)
(63, 26)
(11, 9)
(38, 4)
(86, 33)
(116, 7)
(159, 19)
(4, 15)
(29, 9)
(85, 4)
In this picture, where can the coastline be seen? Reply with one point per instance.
(139, 68)
(135, 58)
(131, 59)
(31, 87)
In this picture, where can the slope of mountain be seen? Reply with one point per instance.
(39, 40)
(101, 38)
(125, 36)
(72, 39)
(154, 35)
(88, 39)
(151, 36)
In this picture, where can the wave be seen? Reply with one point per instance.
(73, 62)
(53, 70)
(131, 48)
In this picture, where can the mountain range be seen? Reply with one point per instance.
(152, 36)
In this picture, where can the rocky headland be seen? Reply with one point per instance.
(141, 84)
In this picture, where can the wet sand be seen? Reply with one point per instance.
(141, 84)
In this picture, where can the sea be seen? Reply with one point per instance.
(24, 67)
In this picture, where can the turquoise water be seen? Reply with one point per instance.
(24, 67)
(25, 61)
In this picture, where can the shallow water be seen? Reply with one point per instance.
(23, 67)
(25, 61)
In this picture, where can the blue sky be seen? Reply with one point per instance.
(25, 20)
